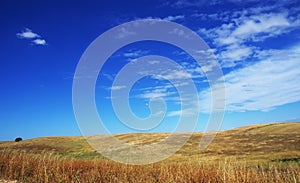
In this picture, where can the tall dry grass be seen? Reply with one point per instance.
(51, 168)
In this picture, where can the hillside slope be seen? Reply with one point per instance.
(266, 142)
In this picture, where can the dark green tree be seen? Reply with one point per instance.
(18, 139)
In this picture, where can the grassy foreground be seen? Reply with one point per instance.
(47, 168)
(260, 153)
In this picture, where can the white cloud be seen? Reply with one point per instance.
(153, 95)
(223, 16)
(246, 27)
(28, 34)
(270, 24)
(136, 53)
(168, 18)
(181, 33)
(234, 53)
(189, 100)
(205, 61)
(158, 113)
(180, 74)
(39, 41)
(226, 40)
(34, 37)
(108, 76)
(123, 32)
(250, 28)
(188, 3)
(262, 86)
(173, 18)
(183, 112)
(152, 62)
(156, 93)
(117, 87)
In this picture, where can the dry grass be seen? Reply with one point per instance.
(260, 153)
(49, 168)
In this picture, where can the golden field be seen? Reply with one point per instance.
(258, 153)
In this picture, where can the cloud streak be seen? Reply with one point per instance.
(262, 86)
(168, 18)
(240, 30)
(173, 18)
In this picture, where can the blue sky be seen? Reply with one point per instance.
(256, 43)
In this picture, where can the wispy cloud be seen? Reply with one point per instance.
(260, 27)
(117, 87)
(244, 28)
(34, 37)
(262, 86)
(175, 74)
(173, 18)
(135, 53)
(251, 28)
(192, 3)
(184, 112)
(156, 92)
(123, 32)
(235, 53)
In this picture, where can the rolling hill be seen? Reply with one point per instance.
(275, 142)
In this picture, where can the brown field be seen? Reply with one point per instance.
(258, 153)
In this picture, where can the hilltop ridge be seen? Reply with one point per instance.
(263, 142)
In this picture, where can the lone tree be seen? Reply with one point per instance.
(18, 139)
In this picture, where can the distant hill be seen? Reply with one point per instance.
(265, 142)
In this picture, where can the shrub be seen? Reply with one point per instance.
(18, 139)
